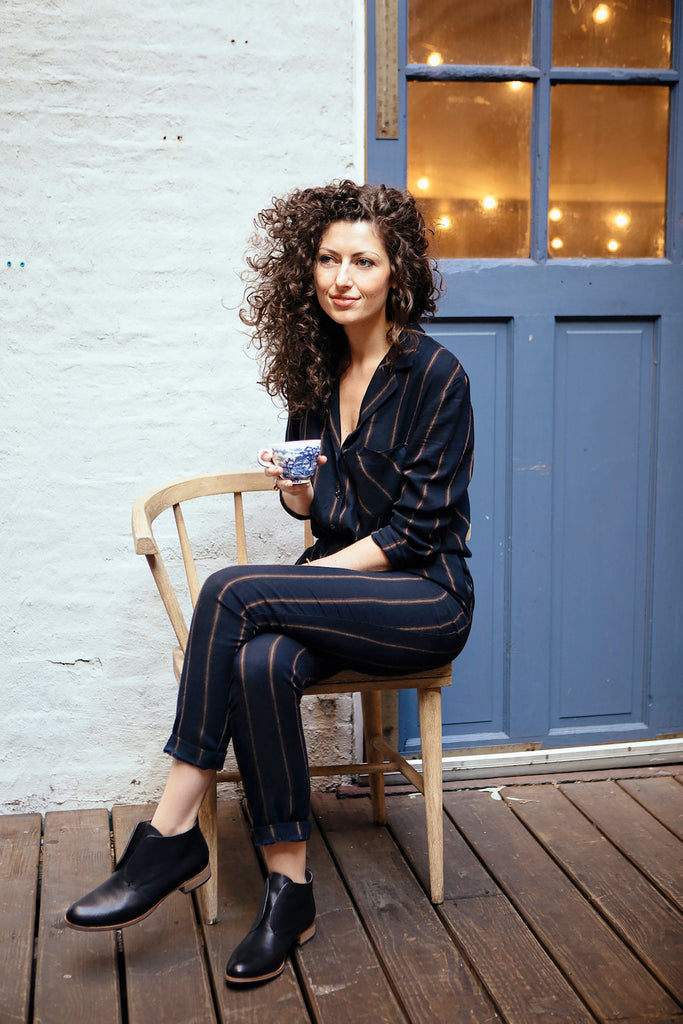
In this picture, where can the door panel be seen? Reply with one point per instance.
(601, 487)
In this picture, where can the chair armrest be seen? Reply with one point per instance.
(154, 501)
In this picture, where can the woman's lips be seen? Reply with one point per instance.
(342, 301)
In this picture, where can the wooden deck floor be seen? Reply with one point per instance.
(564, 905)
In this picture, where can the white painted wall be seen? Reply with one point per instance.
(138, 142)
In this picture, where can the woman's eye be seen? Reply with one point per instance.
(325, 259)
(365, 262)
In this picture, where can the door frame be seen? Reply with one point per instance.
(595, 286)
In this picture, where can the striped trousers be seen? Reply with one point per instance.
(261, 634)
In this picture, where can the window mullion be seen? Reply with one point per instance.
(618, 76)
(540, 130)
(471, 73)
(674, 233)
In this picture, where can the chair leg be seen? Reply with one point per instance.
(208, 822)
(371, 701)
(429, 707)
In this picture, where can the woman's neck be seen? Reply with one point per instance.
(367, 348)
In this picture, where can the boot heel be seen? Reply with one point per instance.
(198, 880)
(305, 936)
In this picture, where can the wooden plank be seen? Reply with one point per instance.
(76, 972)
(386, 67)
(428, 973)
(240, 891)
(636, 910)
(166, 978)
(522, 980)
(341, 974)
(605, 973)
(19, 859)
(662, 797)
(636, 833)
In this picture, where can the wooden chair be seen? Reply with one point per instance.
(428, 683)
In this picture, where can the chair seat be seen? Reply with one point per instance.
(349, 681)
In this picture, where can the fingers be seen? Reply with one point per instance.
(275, 473)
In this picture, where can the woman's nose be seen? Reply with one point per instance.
(343, 277)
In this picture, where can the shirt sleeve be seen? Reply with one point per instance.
(436, 473)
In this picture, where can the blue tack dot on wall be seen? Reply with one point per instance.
(9, 263)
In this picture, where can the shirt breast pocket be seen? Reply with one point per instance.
(378, 476)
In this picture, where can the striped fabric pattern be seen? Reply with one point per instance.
(401, 475)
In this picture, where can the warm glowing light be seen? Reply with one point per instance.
(444, 223)
(489, 202)
(555, 214)
(601, 14)
(622, 220)
(515, 85)
(435, 59)
(612, 245)
(423, 183)
(556, 243)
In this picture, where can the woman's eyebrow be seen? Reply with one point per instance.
(362, 252)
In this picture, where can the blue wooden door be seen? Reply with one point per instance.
(576, 364)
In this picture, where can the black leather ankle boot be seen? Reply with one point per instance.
(152, 867)
(286, 919)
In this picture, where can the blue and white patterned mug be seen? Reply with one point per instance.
(298, 459)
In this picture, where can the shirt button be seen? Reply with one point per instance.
(338, 492)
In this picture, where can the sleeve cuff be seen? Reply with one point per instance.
(288, 510)
(394, 546)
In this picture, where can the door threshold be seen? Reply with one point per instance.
(499, 764)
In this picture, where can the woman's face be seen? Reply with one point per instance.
(353, 275)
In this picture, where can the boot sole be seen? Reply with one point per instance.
(232, 980)
(186, 887)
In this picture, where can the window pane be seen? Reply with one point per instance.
(618, 34)
(608, 156)
(468, 165)
(469, 32)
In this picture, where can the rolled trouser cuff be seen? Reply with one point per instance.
(181, 750)
(285, 832)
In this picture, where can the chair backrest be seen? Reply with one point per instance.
(155, 501)
(158, 499)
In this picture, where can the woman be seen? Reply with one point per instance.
(340, 277)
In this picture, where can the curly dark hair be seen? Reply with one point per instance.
(302, 351)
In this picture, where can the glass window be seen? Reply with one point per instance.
(619, 34)
(608, 153)
(469, 32)
(468, 165)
